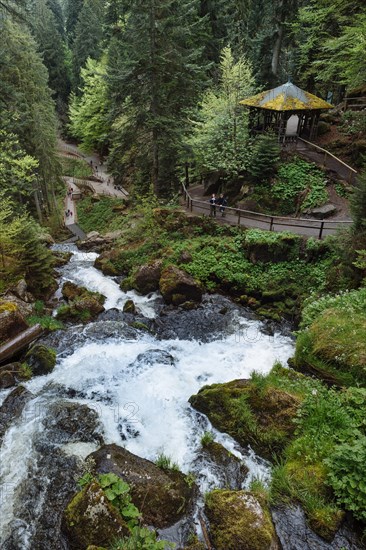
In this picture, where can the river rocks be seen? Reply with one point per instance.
(294, 533)
(20, 290)
(12, 408)
(106, 263)
(239, 521)
(129, 307)
(83, 304)
(263, 419)
(94, 242)
(12, 321)
(11, 373)
(147, 277)
(68, 422)
(91, 519)
(162, 497)
(213, 318)
(177, 287)
(41, 359)
(230, 469)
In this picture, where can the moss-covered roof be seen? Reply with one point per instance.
(287, 97)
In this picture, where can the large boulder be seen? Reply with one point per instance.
(11, 373)
(262, 419)
(147, 277)
(71, 422)
(90, 519)
(12, 321)
(20, 290)
(177, 286)
(83, 304)
(12, 408)
(41, 359)
(239, 521)
(162, 496)
(106, 263)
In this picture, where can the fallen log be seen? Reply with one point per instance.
(19, 342)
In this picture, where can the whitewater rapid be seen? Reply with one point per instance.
(140, 388)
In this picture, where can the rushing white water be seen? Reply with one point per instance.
(141, 397)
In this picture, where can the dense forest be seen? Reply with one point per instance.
(152, 89)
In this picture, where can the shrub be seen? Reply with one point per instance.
(165, 463)
(207, 438)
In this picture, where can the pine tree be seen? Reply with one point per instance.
(72, 11)
(155, 72)
(52, 49)
(88, 37)
(358, 205)
(264, 158)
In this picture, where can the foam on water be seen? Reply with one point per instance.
(142, 398)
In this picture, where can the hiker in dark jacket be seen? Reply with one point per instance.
(222, 202)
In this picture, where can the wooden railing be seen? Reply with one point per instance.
(346, 171)
(354, 103)
(245, 218)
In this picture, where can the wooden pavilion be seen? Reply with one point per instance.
(286, 110)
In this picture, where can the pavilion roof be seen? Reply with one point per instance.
(287, 97)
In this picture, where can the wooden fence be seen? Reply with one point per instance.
(331, 161)
(245, 218)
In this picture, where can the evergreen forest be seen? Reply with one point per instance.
(119, 109)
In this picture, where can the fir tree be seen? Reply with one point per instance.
(264, 158)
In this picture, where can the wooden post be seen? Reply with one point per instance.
(271, 224)
(321, 231)
(238, 217)
(191, 205)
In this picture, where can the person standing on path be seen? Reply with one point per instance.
(213, 206)
(222, 202)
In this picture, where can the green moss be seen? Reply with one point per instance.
(41, 359)
(238, 519)
(261, 419)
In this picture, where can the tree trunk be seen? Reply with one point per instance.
(154, 101)
(277, 51)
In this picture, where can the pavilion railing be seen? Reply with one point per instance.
(346, 171)
(245, 218)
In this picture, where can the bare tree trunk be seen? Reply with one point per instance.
(277, 51)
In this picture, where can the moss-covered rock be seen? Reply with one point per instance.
(178, 287)
(83, 304)
(41, 359)
(129, 307)
(90, 519)
(12, 322)
(162, 497)
(146, 279)
(263, 419)
(262, 246)
(105, 262)
(239, 521)
(11, 373)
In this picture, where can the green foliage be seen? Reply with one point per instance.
(141, 538)
(117, 492)
(75, 167)
(100, 215)
(207, 438)
(89, 113)
(351, 303)
(46, 321)
(219, 141)
(299, 186)
(358, 205)
(264, 158)
(347, 475)
(353, 122)
(165, 463)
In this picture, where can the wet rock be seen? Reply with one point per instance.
(41, 359)
(94, 242)
(12, 321)
(129, 307)
(20, 290)
(268, 423)
(153, 356)
(230, 469)
(214, 318)
(7, 378)
(177, 286)
(83, 304)
(90, 519)
(185, 257)
(147, 277)
(13, 407)
(162, 497)
(239, 520)
(106, 263)
(11, 373)
(68, 422)
(293, 532)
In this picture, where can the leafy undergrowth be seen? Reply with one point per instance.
(332, 342)
(75, 167)
(102, 215)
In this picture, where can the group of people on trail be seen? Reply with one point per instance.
(221, 202)
(68, 213)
